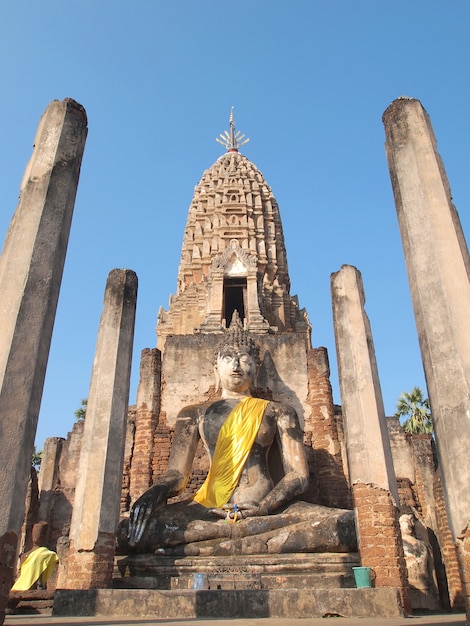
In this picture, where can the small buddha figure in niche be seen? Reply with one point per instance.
(238, 509)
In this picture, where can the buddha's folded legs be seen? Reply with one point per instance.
(190, 529)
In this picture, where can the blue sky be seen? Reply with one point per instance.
(309, 81)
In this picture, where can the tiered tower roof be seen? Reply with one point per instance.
(233, 255)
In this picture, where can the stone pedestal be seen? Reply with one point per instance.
(229, 603)
(279, 571)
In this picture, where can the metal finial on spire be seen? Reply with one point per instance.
(232, 140)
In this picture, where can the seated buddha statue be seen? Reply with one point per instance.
(239, 509)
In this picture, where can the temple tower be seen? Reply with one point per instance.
(233, 255)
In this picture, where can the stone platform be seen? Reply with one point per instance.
(229, 604)
(279, 586)
(256, 586)
(279, 571)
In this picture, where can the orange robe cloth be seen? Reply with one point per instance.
(232, 448)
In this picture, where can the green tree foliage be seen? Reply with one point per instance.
(415, 408)
(36, 459)
(81, 412)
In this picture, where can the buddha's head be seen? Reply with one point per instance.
(237, 361)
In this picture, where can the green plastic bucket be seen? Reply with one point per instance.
(362, 577)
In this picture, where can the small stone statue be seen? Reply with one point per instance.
(238, 509)
(420, 566)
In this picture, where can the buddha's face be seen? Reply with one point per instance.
(236, 368)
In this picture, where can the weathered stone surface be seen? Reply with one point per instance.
(182, 529)
(48, 475)
(438, 266)
(31, 269)
(282, 375)
(371, 472)
(368, 445)
(221, 603)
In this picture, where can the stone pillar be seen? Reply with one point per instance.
(47, 478)
(90, 559)
(438, 267)
(31, 269)
(256, 321)
(146, 420)
(371, 473)
(213, 321)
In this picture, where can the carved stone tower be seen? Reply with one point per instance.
(233, 255)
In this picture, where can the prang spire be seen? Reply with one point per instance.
(232, 140)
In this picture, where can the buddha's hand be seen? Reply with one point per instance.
(252, 509)
(142, 510)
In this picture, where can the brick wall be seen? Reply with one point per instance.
(87, 569)
(380, 545)
(146, 423)
(448, 548)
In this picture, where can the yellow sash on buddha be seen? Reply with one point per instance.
(232, 447)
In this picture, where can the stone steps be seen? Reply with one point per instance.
(29, 602)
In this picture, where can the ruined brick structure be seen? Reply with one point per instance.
(234, 259)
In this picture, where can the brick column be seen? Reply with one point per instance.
(448, 549)
(438, 267)
(31, 269)
(90, 560)
(327, 468)
(371, 472)
(464, 557)
(146, 420)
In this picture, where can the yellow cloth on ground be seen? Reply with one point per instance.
(39, 562)
(232, 447)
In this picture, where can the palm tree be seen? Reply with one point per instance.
(417, 411)
(80, 413)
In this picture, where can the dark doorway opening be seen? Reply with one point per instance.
(234, 298)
